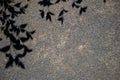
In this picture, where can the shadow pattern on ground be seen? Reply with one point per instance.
(9, 11)
(17, 35)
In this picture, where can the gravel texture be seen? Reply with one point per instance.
(85, 47)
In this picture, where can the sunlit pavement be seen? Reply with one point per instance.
(85, 47)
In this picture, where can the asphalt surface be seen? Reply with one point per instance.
(85, 47)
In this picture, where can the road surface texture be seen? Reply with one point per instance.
(85, 47)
